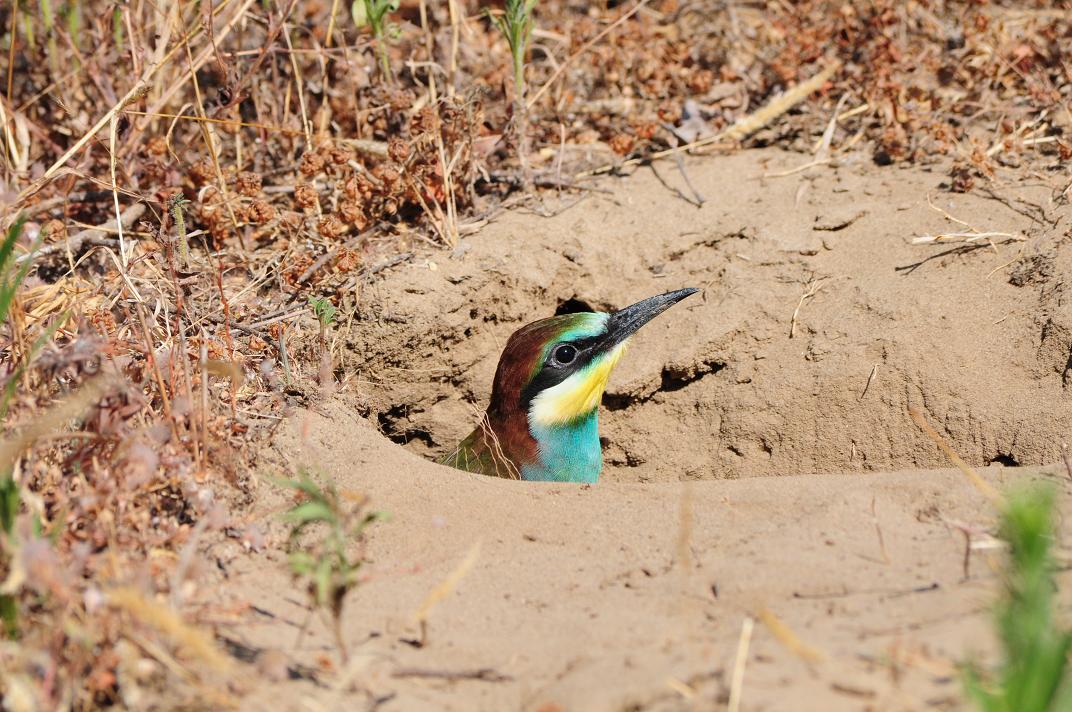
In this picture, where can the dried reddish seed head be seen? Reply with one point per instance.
(425, 122)
(331, 226)
(963, 180)
(397, 150)
(622, 144)
(351, 212)
(260, 211)
(400, 100)
(646, 130)
(700, 82)
(156, 146)
(305, 196)
(670, 112)
(340, 156)
(202, 172)
(347, 260)
(248, 183)
(311, 164)
(388, 174)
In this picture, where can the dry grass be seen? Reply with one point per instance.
(198, 172)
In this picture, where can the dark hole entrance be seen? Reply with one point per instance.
(573, 306)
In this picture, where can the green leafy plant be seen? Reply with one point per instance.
(11, 278)
(516, 24)
(374, 14)
(11, 275)
(70, 14)
(325, 313)
(323, 562)
(9, 508)
(324, 310)
(1034, 672)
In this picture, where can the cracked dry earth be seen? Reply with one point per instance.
(818, 512)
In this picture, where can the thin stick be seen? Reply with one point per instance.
(452, 71)
(210, 143)
(209, 120)
(444, 589)
(298, 85)
(788, 638)
(980, 484)
(75, 242)
(189, 379)
(798, 169)
(331, 24)
(150, 356)
(11, 48)
(140, 89)
(871, 377)
(738, 666)
(878, 531)
(115, 193)
(811, 289)
(203, 363)
(587, 46)
(966, 237)
(966, 563)
(484, 674)
(740, 130)
(779, 105)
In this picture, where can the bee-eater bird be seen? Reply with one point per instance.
(542, 422)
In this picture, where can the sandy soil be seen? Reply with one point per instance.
(632, 594)
(941, 327)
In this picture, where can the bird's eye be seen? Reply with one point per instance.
(564, 354)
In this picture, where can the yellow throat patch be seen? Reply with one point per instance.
(578, 395)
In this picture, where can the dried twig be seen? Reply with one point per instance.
(742, 129)
(788, 638)
(878, 532)
(587, 46)
(980, 484)
(810, 290)
(444, 589)
(140, 89)
(89, 236)
(482, 674)
(965, 237)
(972, 235)
(72, 408)
(737, 681)
(870, 377)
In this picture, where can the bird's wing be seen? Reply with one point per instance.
(481, 453)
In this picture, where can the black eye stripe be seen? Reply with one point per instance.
(552, 373)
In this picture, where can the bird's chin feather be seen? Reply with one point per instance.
(577, 396)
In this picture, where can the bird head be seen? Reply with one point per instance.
(553, 371)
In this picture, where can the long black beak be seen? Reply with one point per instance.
(624, 323)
